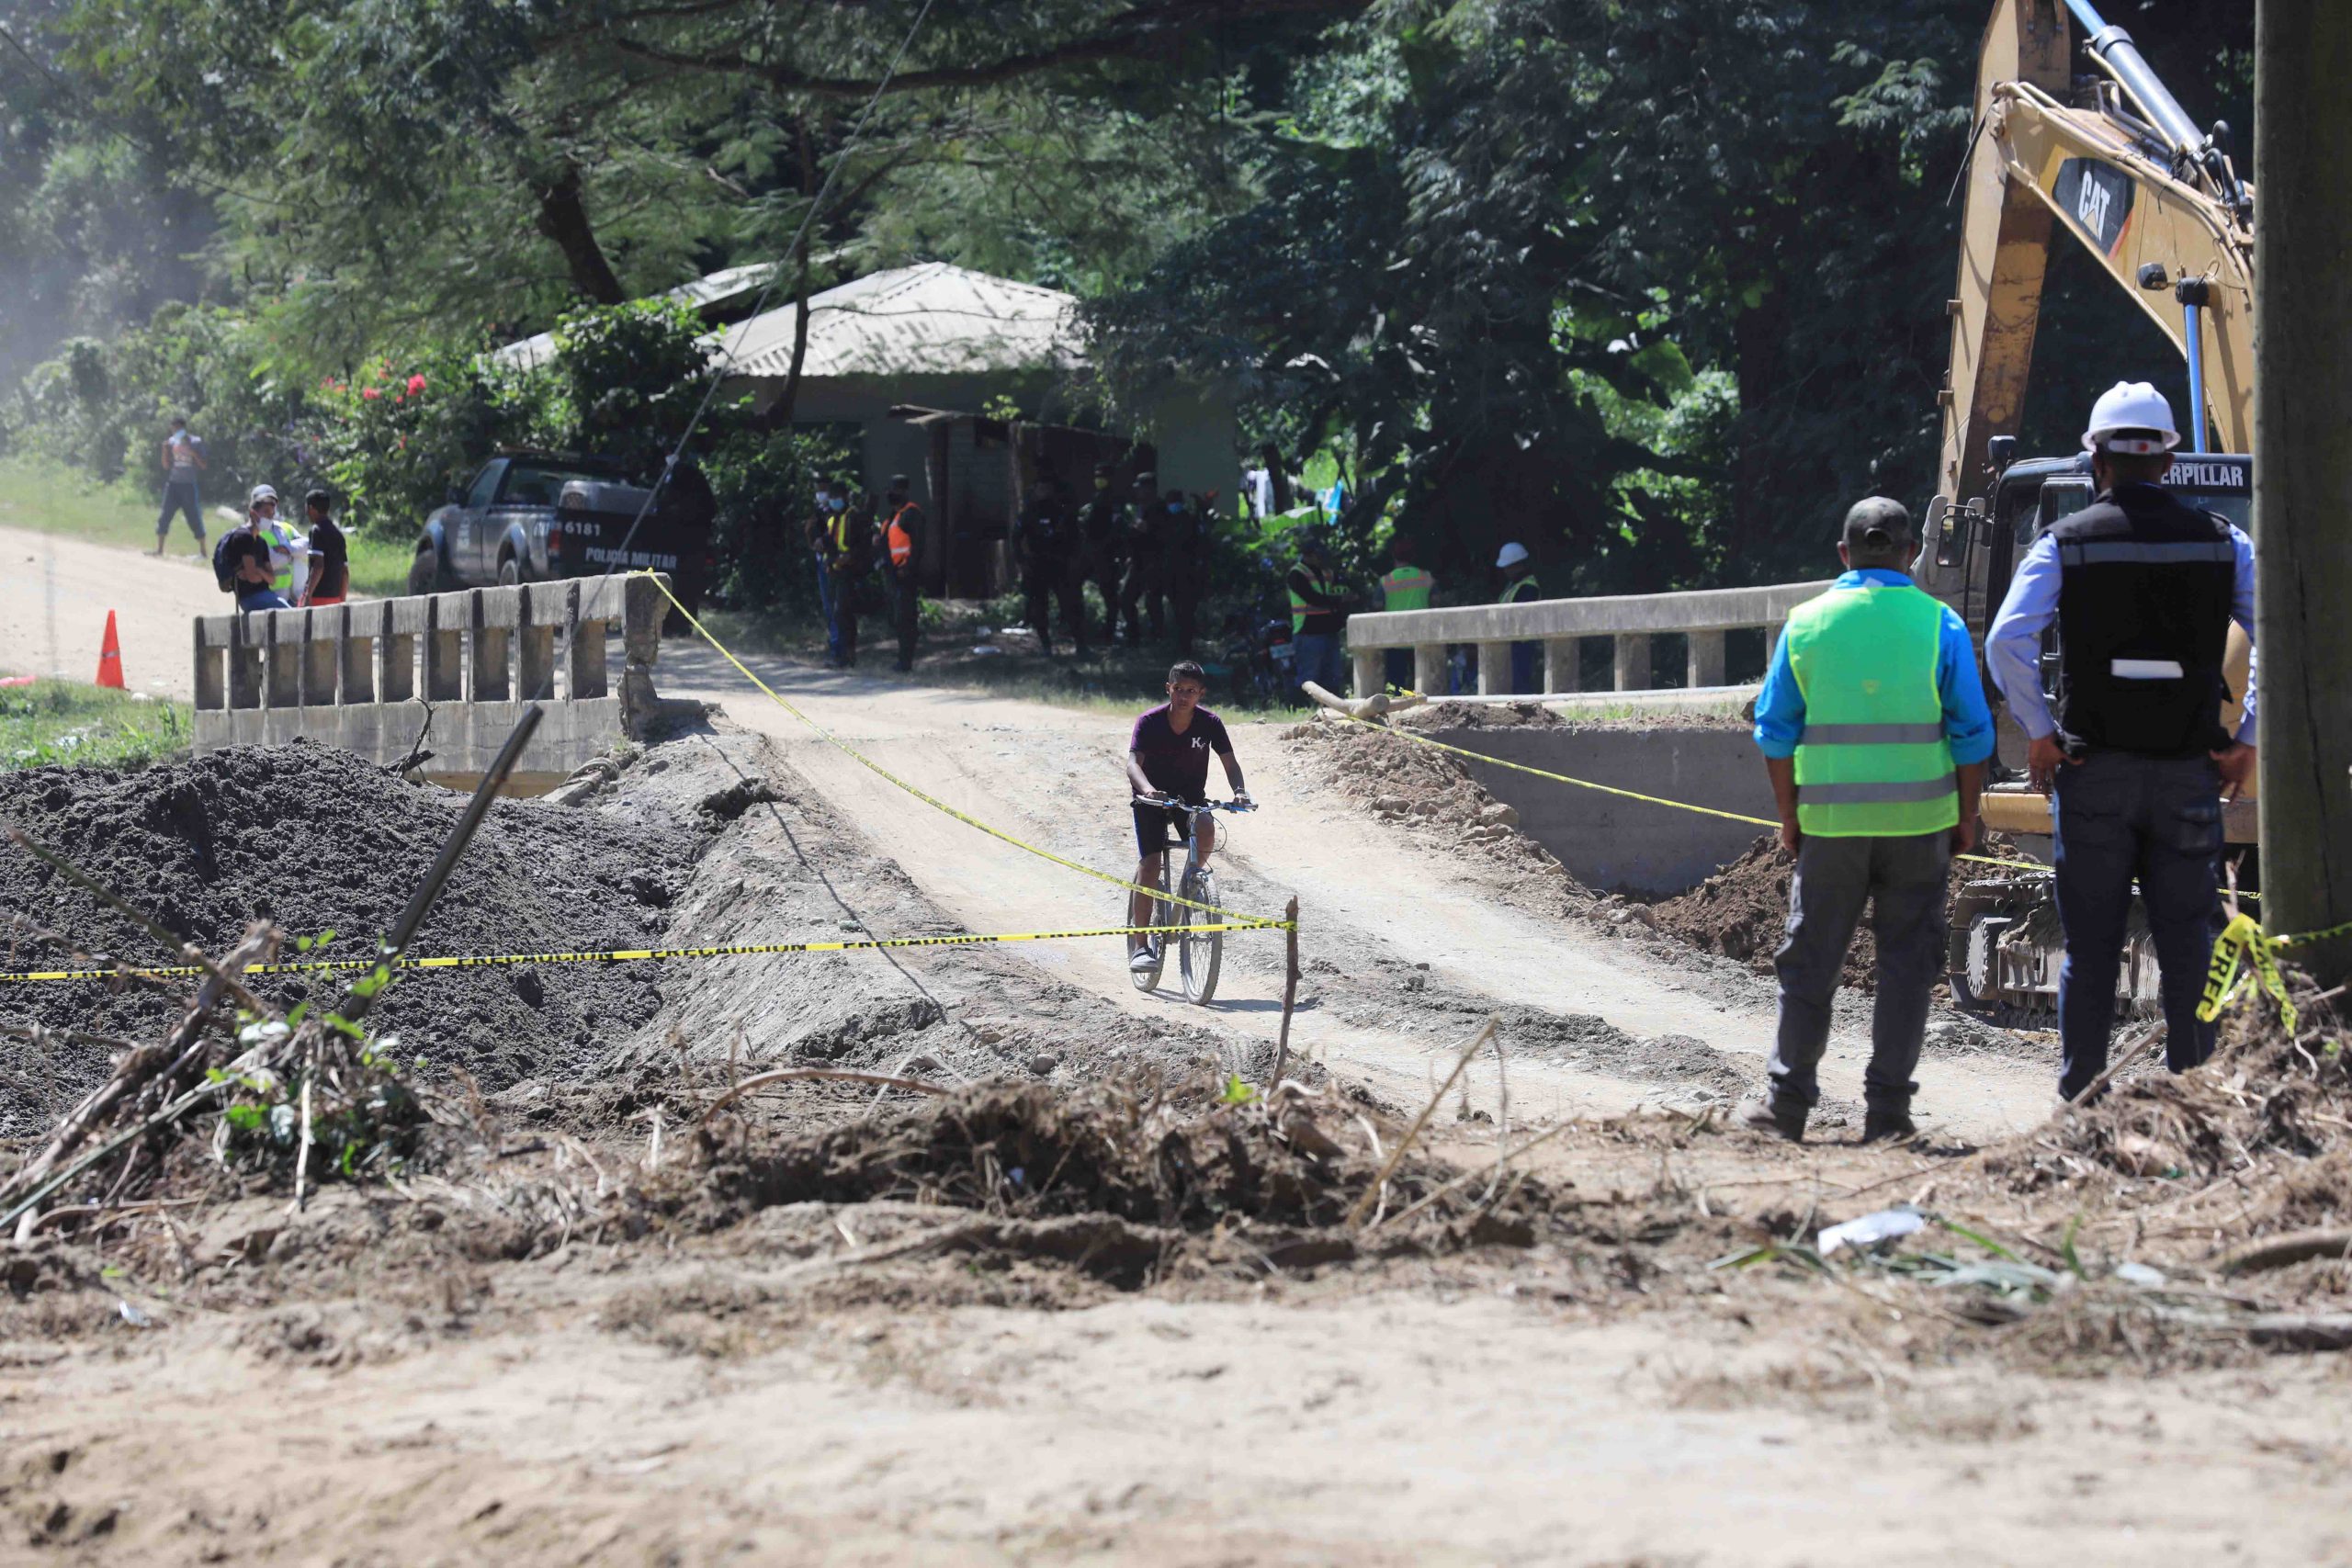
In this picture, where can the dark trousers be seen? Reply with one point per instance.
(1041, 586)
(1399, 663)
(180, 496)
(1144, 586)
(1102, 571)
(825, 606)
(1904, 881)
(906, 614)
(1184, 609)
(1526, 668)
(2118, 817)
(842, 586)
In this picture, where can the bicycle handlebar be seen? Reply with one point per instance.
(1203, 808)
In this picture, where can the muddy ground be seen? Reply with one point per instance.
(1080, 1297)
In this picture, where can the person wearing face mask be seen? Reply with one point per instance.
(832, 512)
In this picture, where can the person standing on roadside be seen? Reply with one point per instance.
(240, 561)
(1183, 554)
(843, 559)
(330, 557)
(1874, 732)
(1102, 525)
(1318, 613)
(2143, 587)
(290, 547)
(903, 542)
(1404, 586)
(1045, 542)
(183, 457)
(1520, 587)
(832, 505)
(1146, 585)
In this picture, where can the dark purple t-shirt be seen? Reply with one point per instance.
(1178, 763)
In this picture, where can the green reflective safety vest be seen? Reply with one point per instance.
(1524, 589)
(1873, 760)
(1407, 588)
(1298, 606)
(285, 557)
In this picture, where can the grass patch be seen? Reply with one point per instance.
(49, 498)
(66, 722)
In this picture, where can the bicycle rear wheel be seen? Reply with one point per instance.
(1202, 952)
(1147, 979)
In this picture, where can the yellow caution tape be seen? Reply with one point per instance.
(2243, 944)
(1628, 793)
(624, 954)
(1241, 921)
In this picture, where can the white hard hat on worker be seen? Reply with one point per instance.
(1512, 554)
(2132, 417)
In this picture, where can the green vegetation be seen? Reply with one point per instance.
(1655, 289)
(45, 496)
(66, 722)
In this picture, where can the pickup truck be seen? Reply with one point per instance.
(536, 516)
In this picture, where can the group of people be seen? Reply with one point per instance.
(268, 562)
(1873, 724)
(1144, 552)
(850, 538)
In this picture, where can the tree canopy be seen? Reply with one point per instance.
(1655, 288)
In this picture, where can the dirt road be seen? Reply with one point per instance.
(1374, 907)
(55, 591)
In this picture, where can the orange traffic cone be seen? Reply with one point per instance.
(110, 657)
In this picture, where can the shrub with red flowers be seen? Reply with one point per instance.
(393, 437)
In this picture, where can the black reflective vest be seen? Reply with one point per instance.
(2145, 582)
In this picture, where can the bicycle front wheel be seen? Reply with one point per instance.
(1202, 950)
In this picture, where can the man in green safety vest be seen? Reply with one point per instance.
(1404, 586)
(1519, 586)
(1874, 730)
(1318, 612)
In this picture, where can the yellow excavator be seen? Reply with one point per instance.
(2112, 158)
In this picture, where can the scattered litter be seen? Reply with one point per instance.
(1887, 1225)
(2141, 1274)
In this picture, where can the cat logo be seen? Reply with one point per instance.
(2098, 197)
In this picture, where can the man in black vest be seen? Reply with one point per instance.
(2143, 588)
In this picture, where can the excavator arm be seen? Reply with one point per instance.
(2152, 197)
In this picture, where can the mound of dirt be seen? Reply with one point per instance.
(1420, 787)
(1741, 911)
(317, 840)
(1117, 1175)
(1480, 715)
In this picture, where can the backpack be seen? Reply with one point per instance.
(223, 573)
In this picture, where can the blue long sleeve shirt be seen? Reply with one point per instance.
(1968, 723)
(2013, 647)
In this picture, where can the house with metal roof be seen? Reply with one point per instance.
(914, 368)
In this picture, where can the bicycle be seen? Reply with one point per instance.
(1198, 953)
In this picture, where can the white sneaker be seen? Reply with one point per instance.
(1143, 960)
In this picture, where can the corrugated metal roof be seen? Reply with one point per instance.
(932, 319)
(717, 288)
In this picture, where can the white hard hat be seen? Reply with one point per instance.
(2130, 405)
(1512, 554)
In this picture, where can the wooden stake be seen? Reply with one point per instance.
(1290, 990)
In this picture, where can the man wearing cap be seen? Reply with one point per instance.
(2143, 588)
(1874, 732)
(290, 547)
(1518, 568)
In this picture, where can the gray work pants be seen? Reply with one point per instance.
(1904, 878)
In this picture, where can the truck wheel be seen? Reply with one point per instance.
(426, 573)
(510, 573)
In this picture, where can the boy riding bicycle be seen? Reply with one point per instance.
(1168, 759)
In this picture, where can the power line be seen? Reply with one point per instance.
(759, 306)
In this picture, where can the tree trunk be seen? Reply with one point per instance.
(2302, 471)
(563, 218)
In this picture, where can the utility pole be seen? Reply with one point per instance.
(2302, 471)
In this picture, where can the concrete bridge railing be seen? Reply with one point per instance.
(367, 677)
(1629, 621)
